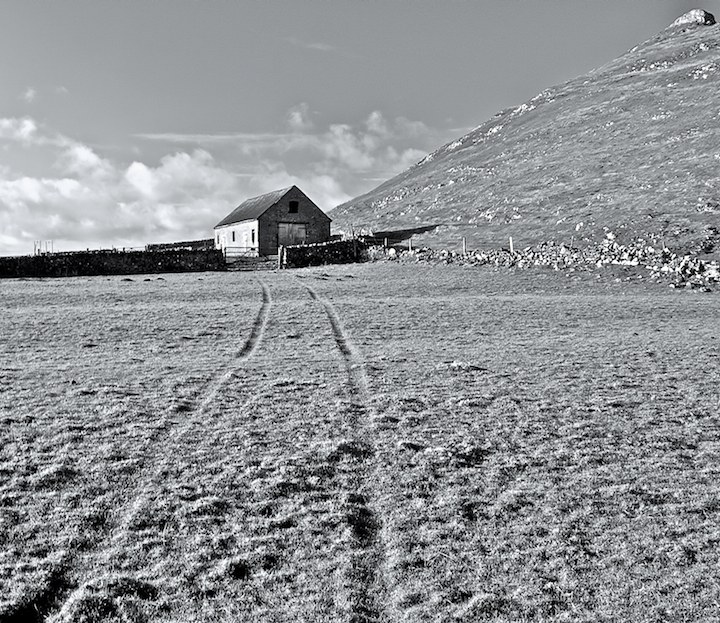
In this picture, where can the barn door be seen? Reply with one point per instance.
(291, 233)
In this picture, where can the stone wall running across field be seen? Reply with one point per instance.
(109, 262)
(685, 270)
(190, 245)
(333, 252)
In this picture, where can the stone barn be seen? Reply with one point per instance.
(258, 226)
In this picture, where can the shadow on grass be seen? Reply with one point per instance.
(41, 603)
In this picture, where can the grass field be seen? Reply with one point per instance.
(359, 443)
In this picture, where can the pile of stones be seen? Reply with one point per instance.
(660, 263)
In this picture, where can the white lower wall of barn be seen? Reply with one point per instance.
(238, 239)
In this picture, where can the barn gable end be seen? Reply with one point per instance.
(260, 224)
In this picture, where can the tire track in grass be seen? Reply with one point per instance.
(248, 348)
(66, 594)
(363, 587)
(353, 360)
(205, 399)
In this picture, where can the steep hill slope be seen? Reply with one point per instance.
(633, 146)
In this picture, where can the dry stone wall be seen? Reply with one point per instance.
(333, 252)
(111, 263)
(657, 263)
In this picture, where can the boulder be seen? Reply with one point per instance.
(696, 16)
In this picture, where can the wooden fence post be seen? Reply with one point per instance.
(512, 248)
(464, 245)
(410, 243)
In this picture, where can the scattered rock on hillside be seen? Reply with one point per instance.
(696, 16)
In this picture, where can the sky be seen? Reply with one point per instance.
(129, 122)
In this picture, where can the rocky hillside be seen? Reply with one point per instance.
(631, 149)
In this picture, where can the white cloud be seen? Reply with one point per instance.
(414, 129)
(312, 45)
(141, 179)
(298, 118)
(342, 145)
(97, 203)
(376, 124)
(181, 178)
(29, 95)
(81, 160)
(325, 190)
(22, 130)
(215, 139)
(377, 145)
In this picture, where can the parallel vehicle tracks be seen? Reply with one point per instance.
(64, 588)
(87, 573)
(364, 579)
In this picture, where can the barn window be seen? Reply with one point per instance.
(252, 236)
(293, 207)
(233, 236)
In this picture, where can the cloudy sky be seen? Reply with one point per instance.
(128, 122)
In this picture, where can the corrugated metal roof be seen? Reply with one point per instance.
(251, 209)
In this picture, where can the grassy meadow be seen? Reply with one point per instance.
(380, 442)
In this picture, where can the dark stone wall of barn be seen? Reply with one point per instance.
(111, 263)
(317, 222)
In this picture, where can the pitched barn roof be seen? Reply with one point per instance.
(250, 209)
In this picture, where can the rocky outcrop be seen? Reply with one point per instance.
(696, 16)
